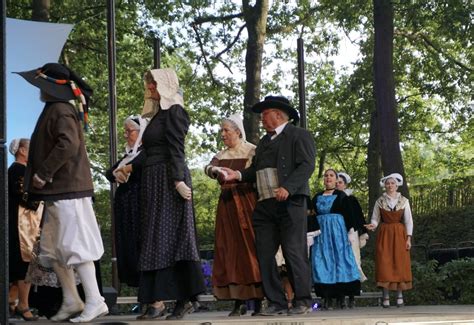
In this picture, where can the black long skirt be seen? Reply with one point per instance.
(169, 256)
(127, 232)
(182, 281)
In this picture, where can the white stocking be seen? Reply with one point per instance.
(68, 284)
(95, 305)
(86, 272)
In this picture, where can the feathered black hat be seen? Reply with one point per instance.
(59, 81)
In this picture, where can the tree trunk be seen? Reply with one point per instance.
(374, 168)
(41, 10)
(384, 89)
(256, 20)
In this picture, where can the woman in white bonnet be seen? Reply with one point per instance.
(392, 257)
(335, 271)
(169, 256)
(127, 203)
(235, 273)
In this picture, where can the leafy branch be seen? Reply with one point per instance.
(218, 19)
(290, 27)
(430, 44)
(206, 62)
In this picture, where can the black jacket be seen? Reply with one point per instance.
(296, 158)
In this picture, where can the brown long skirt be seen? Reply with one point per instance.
(393, 265)
(235, 273)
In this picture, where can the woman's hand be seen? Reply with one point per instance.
(229, 174)
(38, 182)
(408, 243)
(370, 226)
(122, 174)
(310, 237)
(363, 240)
(183, 190)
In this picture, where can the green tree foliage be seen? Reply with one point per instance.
(458, 280)
(205, 195)
(426, 76)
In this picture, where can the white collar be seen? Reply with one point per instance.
(278, 130)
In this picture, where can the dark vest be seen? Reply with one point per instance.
(268, 153)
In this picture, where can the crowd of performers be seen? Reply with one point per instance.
(272, 242)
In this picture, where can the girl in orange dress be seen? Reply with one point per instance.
(392, 260)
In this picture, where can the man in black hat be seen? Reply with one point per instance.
(58, 173)
(282, 165)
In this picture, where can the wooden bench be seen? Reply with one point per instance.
(371, 295)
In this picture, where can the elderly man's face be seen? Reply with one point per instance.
(271, 119)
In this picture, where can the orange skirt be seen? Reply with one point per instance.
(392, 259)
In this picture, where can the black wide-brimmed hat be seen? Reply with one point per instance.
(277, 102)
(55, 80)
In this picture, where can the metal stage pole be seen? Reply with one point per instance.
(111, 56)
(156, 53)
(301, 85)
(4, 282)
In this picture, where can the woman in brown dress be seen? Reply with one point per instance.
(392, 259)
(235, 273)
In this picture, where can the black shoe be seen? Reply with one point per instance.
(257, 307)
(182, 308)
(196, 306)
(299, 310)
(23, 313)
(239, 310)
(351, 303)
(152, 313)
(272, 310)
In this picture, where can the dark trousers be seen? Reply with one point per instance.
(283, 223)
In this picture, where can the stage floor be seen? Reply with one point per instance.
(458, 315)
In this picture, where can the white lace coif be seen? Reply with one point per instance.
(14, 145)
(396, 176)
(238, 121)
(167, 85)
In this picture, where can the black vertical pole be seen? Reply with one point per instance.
(112, 124)
(156, 53)
(3, 173)
(301, 85)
